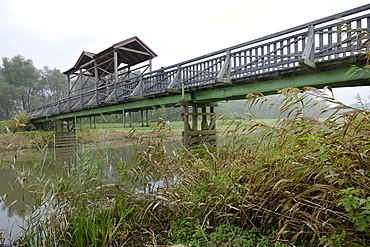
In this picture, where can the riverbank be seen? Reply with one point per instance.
(37, 139)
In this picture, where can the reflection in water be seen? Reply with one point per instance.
(15, 196)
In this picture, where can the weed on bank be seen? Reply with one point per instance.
(302, 181)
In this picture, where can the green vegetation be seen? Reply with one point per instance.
(302, 181)
(23, 87)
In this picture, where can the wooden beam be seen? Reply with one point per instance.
(134, 51)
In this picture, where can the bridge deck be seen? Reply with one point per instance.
(308, 51)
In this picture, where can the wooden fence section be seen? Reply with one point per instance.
(317, 46)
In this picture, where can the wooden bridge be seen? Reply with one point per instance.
(120, 79)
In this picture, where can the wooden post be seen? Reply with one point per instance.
(96, 82)
(115, 74)
(212, 125)
(124, 118)
(204, 124)
(195, 118)
(69, 92)
(185, 134)
(142, 118)
(81, 85)
(147, 118)
(130, 117)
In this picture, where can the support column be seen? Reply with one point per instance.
(204, 124)
(195, 118)
(130, 118)
(185, 134)
(207, 133)
(212, 125)
(147, 118)
(142, 118)
(124, 118)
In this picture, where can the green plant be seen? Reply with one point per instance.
(335, 240)
(358, 208)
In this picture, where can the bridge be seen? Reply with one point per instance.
(121, 80)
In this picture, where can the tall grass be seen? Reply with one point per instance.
(302, 181)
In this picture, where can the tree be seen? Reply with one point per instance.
(7, 108)
(22, 77)
(54, 85)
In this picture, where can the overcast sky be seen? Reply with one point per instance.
(55, 32)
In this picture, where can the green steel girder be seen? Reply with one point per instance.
(333, 78)
(118, 108)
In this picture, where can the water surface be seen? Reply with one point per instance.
(17, 167)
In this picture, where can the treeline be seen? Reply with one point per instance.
(23, 86)
(269, 107)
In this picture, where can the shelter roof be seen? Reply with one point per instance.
(130, 52)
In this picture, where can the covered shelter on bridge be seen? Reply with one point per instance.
(90, 77)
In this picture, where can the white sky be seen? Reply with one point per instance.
(55, 32)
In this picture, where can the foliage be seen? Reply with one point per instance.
(8, 130)
(54, 85)
(78, 208)
(23, 87)
(301, 181)
(358, 208)
(21, 77)
(287, 176)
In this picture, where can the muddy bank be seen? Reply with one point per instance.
(27, 140)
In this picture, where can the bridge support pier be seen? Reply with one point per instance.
(203, 124)
(65, 134)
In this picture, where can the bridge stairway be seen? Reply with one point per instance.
(65, 139)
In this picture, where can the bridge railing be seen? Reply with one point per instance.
(326, 39)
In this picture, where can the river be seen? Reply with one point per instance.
(17, 166)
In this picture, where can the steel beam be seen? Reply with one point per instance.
(132, 106)
(334, 78)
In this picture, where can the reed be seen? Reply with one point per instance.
(302, 181)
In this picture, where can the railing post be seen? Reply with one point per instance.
(124, 118)
(69, 92)
(115, 75)
(308, 56)
(224, 75)
(96, 82)
(81, 85)
(176, 79)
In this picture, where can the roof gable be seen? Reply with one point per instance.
(131, 51)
